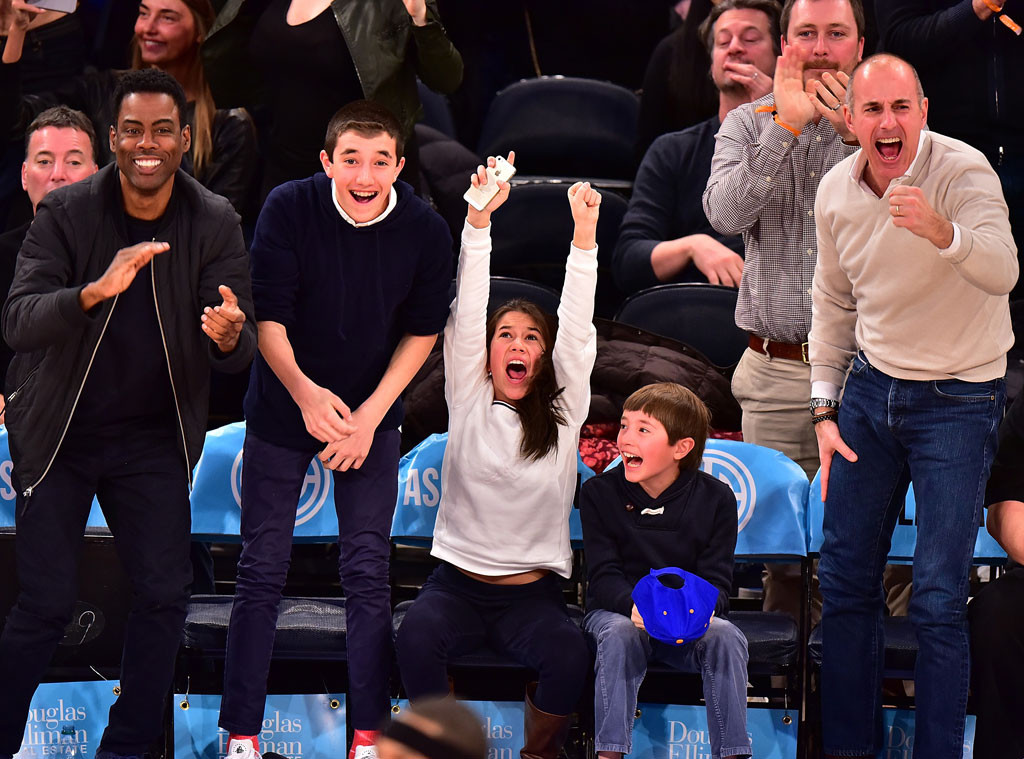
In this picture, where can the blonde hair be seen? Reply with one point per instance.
(195, 81)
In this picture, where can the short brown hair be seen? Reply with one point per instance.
(770, 8)
(62, 117)
(366, 118)
(855, 5)
(679, 411)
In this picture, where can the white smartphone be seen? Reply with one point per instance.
(64, 6)
(480, 196)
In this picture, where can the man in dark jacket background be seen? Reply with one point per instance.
(118, 280)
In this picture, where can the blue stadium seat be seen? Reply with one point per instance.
(699, 315)
(564, 126)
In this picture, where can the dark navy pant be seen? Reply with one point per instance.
(272, 479)
(455, 614)
(141, 481)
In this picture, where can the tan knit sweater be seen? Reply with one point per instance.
(916, 312)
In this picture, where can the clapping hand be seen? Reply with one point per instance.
(325, 415)
(120, 273)
(223, 323)
(792, 104)
(349, 452)
(828, 97)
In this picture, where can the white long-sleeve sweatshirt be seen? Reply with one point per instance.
(500, 513)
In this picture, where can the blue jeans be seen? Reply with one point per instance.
(942, 435)
(623, 652)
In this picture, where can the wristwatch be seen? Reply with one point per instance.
(817, 403)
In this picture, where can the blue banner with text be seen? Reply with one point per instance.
(502, 722)
(676, 731)
(419, 492)
(66, 720)
(295, 726)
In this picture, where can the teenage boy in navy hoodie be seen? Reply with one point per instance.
(350, 282)
(657, 510)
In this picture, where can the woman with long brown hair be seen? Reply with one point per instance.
(518, 392)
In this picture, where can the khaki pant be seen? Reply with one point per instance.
(774, 394)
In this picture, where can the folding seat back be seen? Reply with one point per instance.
(531, 236)
(699, 315)
(504, 289)
(437, 111)
(564, 126)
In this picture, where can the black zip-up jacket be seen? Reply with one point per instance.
(76, 233)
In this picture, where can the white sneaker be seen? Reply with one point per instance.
(242, 748)
(366, 752)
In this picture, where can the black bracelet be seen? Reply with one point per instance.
(828, 416)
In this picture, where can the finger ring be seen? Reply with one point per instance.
(756, 74)
(837, 106)
(897, 209)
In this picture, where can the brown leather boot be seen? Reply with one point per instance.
(545, 733)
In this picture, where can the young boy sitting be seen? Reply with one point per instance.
(657, 510)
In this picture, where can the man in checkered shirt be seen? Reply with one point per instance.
(769, 157)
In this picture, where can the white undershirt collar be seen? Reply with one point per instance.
(392, 202)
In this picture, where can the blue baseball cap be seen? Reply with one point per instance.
(676, 605)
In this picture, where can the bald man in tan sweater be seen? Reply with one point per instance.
(910, 320)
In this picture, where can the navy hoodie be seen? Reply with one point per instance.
(696, 531)
(346, 295)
